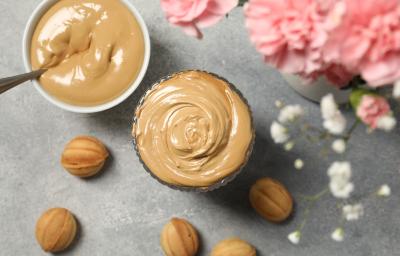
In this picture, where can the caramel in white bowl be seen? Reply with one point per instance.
(96, 52)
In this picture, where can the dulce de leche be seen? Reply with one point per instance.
(93, 50)
(193, 130)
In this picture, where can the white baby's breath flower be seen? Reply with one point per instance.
(278, 104)
(386, 123)
(335, 125)
(289, 145)
(338, 235)
(298, 164)
(290, 113)
(353, 212)
(340, 174)
(339, 146)
(328, 106)
(279, 133)
(294, 237)
(396, 90)
(334, 121)
(342, 169)
(384, 191)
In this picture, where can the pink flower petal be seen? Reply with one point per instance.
(291, 62)
(183, 10)
(291, 34)
(367, 40)
(371, 109)
(194, 14)
(338, 75)
(221, 7)
(191, 30)
(216, 10)
(382, 72)
(353, 50)
(299, 5)
(208, 19)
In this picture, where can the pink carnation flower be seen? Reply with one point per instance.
(291, 35)
(366, 39)
(371, 109)
(192, 15)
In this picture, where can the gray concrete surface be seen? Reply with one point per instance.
(122, 211)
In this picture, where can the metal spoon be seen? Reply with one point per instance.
(10, 82)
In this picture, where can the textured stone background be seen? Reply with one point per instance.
(123, 210)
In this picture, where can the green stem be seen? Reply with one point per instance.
(312, 200)
(306, 214)
(316, 196)
(352, 129)
(312, 128)
(320, 134)
(341, 219)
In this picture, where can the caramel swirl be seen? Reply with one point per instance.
(93, 50)
(193, 130)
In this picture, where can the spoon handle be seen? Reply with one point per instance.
(10, 82)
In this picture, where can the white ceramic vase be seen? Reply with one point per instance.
(316, 90)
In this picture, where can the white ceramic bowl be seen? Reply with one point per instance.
(317, 89)
(37, 14)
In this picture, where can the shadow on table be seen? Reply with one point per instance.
(263, 163)
(119, 118)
